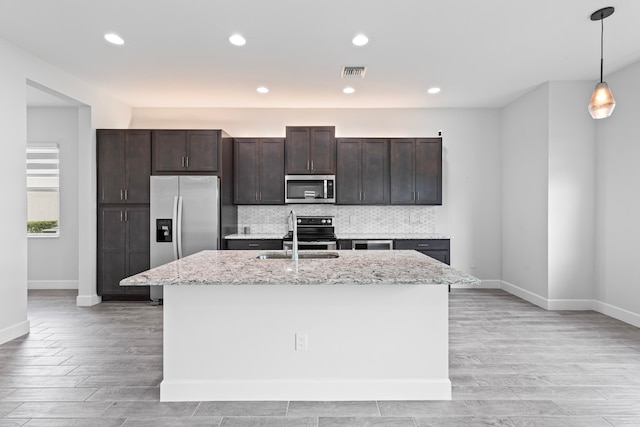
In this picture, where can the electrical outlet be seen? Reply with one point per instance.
(301, 342)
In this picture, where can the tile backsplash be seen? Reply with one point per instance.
(266, 219)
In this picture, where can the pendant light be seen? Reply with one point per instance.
(602, 102)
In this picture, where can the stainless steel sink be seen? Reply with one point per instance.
(301, 255)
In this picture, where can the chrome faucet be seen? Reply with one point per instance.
(294, 220)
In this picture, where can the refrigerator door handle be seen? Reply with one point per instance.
(174, 229)
(179, 224)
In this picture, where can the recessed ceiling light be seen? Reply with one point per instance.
(360, 40)
(114, 39)
(433, 90)
(348, 90)
(263, 89)
(237, 40)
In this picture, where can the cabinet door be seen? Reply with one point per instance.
(112, 236)
(246, 170)
(297, 150)
(322, 150)
(137, 245)
(375, 171)
(169, 150)
(138, 165)
(202, 151)
(271, 179)
(441, 255)
(402, 171)
(111, 166)
(348, 172)
(428, 181)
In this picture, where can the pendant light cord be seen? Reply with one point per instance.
(601, 46)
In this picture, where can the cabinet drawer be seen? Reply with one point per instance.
(257, 244)
(422, 244)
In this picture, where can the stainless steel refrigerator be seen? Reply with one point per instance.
(185, 219)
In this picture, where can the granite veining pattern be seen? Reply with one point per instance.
(405, 267)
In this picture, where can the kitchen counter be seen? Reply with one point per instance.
(347, 236)
(389, 236)
(269, 236)
(405, 267)
(376, 334)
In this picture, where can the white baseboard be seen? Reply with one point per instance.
(525, 295)
(52, 284)
(305, 390)
(12, 332)
(573, 304)
(618, 313)
(88, 300)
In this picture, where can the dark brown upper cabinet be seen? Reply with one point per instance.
(362, 175)
(310, 150)
(416, 171)
(258, 171)
(185, 152)
(124, 166)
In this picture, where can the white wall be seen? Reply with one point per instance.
(53, 261)
(618, 199)
(470, 213)
(571, 192)
(18, 67)
(525, 153)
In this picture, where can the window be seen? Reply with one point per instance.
(43, 185)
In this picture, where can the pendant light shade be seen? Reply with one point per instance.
(602, 101)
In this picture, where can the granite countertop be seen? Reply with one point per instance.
(347, 236)
(403, 267)
(389, 236)
(257, 236)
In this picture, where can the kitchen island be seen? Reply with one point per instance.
(368, 325)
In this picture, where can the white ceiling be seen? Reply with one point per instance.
(481, 53)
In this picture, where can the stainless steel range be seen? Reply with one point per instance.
(314, 232)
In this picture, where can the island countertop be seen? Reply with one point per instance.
(400, 267)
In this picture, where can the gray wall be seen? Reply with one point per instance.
(53, 261)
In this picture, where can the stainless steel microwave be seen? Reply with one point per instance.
(310, 188)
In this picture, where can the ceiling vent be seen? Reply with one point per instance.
(353, 72)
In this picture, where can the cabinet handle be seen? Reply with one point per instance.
(423, 245)
(183, 161)
(121, 197)
(417, 195)
(126, 216)
(413, 195)
(253, 245)
(256, 196)
(187, 161)
(311, 164)
(126, 194)
(308, 168)
(121, 216)
(260, 194)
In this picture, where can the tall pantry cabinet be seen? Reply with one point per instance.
(124, 167)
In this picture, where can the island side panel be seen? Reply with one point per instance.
(382, 342)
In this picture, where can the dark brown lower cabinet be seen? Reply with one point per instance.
(254, 244)
(123, 250)
(435, 248)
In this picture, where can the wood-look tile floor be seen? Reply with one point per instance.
(512, 364)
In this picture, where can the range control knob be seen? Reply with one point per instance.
(299, 221)
(329, 221)
(324, 221)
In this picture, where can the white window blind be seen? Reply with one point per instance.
(43, 188)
